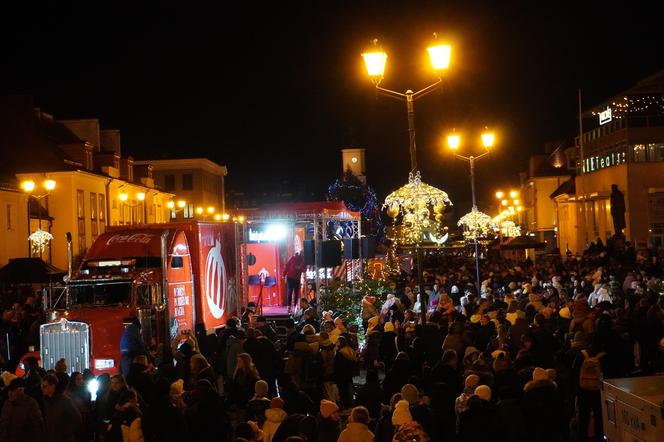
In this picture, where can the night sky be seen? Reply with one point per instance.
(274, 90)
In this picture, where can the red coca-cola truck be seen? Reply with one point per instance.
(170, 276)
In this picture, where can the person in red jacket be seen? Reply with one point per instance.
(293, 272)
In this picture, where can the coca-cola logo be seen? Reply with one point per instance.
(141, 238)
(215, 281)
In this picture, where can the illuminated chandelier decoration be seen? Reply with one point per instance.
(475, 224)
(509, 229)
(39, 239)
(421, 208)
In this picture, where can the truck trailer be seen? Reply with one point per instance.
(633, 409)
(173, 277)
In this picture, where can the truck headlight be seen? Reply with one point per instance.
(104, 364)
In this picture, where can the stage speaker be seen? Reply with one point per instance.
(351, 248)
(368, 247)
(330, 253)
(309, 252)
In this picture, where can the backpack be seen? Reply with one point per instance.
(590, 375)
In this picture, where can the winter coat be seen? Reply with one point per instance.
(233, 348)
(356, 432)
(328, 429)
(345, 363)
(21, 421)
(543, 400)
(62, 418)
(384, 431)
(131, 345)
(163, 422)
(479, 424)
(448, 375)
(273, 418)
(132, 428)
(265, 356)
(513, 424)
(372, 347)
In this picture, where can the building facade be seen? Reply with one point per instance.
(93, 185)
(622, 144)
(198, 182)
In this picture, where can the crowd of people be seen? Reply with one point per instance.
(521, 358)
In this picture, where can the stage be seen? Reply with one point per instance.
(275, 310)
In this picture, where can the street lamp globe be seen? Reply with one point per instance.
(140, 196)
(453, 141)
(49, 185)
(499, 194)
(28, 185)
(210, 210)
(181, 204)
(124, 196)
(199, 210)
(171, 204)
(440, 55)
(375, 60)
(488, 139)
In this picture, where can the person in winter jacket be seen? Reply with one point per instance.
(131, 344)
(345, 363)
(21, 419)
(274, 416)
(244, 380)
(259, 403)
(62, 419)
(372, 345)
(357, 430)
(328, 421)
(369, 310)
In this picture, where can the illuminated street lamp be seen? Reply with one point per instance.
(412, 201)
(454, 141)
(39, 239)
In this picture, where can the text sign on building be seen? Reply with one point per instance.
(605, 116)
(598, 162)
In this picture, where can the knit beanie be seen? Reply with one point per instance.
(328, 408)
(472, 380)
(373, 322)
(401, 414)
(177, 388)
(277, 402)
(7, 377)
(410, 393)
(483, 392)
(261, 388)
(388, 327)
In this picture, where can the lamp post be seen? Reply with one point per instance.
(453, 142)
(414, 198)
(28, 187)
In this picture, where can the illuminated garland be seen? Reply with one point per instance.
(358, 197)
(39, 239)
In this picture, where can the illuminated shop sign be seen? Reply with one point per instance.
(605, 116)
(598, 162)
(270, 233)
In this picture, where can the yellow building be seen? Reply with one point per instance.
(94, 187)
(13, 224)
(622, 144)
(539, 216)
(197, 182)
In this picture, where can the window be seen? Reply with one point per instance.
(187, 181)
(188, 210)
(174, 214)
(102, 212)
(10, 218)
(639, 153)
(169, 182)
(94, 226)
(80, 212)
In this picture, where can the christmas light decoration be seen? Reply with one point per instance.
(421, 209)
(475, 224)
(39, 239)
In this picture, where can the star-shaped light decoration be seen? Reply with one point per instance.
(39, 239)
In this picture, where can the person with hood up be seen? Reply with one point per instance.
(401, 414)
(131, 344)
(461, 403)
(328, 422)
(372, 345)
(258, 403)
(345, 364)
(274, 416)
(357, 429)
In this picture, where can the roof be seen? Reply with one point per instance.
(185, 163)
(30, 270)
(567, 187)
(651, 85)
(334, 209)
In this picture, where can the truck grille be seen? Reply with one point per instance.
(65, 339)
